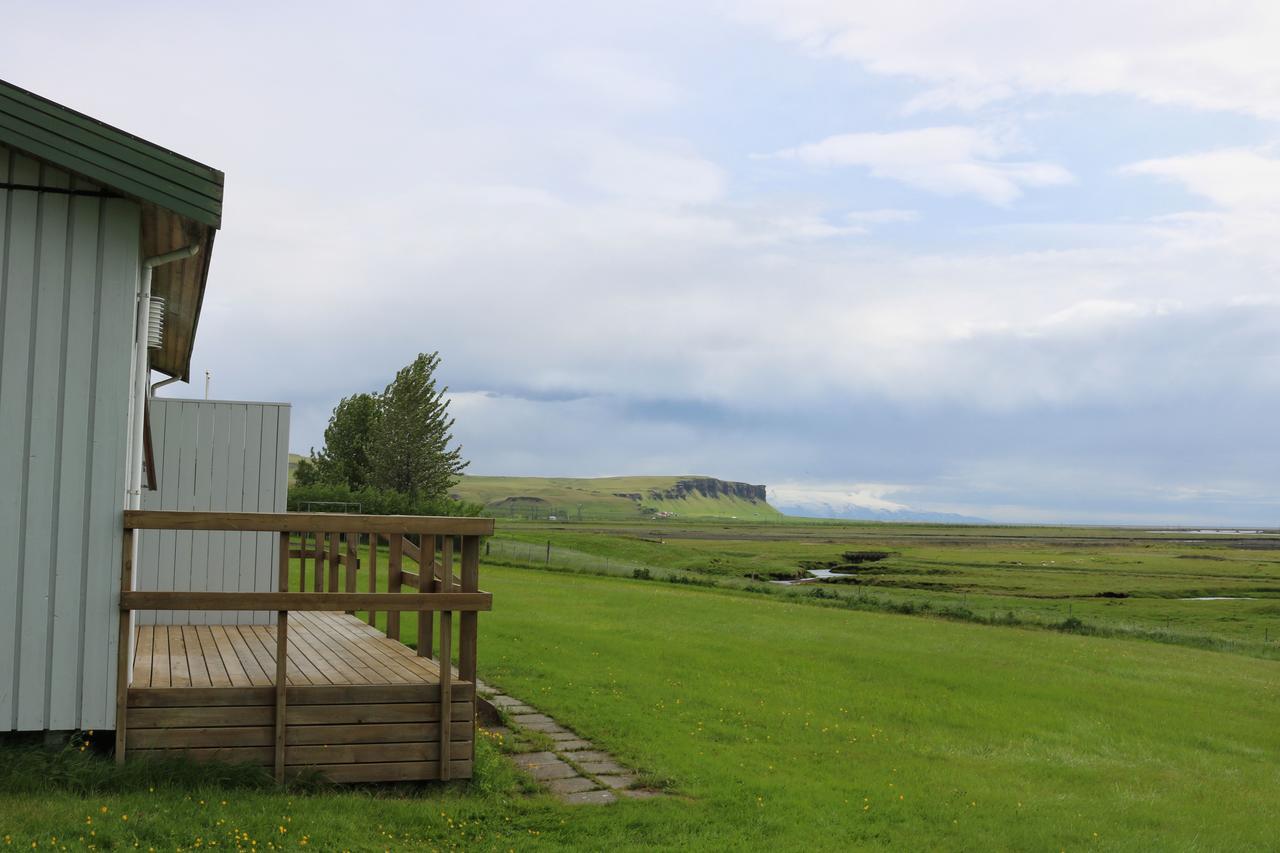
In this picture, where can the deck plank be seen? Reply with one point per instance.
(218, 676)
(142, 657)
(160, 657)
(227, 654)
(196, 665)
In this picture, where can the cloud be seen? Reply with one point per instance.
(943, 160)
(855, 495)
(1243, 179)
(653, 173)
(1218, 56)
(613, 79)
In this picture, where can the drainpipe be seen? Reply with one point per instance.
(156, 386)
(141, 371)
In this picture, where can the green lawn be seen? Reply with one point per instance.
(1133, 581)
(792, 727)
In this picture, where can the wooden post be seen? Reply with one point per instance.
(317, 559)
(394, 579)
(446, 656)
(373, 573)
(282, 657)
(426, 583)
(123, 664)
(302, 562)
(333, 563)
(353, 561)
(467, 632)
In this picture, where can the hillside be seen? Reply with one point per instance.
(617, 498)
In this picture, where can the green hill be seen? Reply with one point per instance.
(683, 497)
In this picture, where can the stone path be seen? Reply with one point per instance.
(572, 769)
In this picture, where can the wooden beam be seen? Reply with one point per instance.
(279, 522)
(122, 648)
(468, 629)
(333, 562)
(387, 601)
(426, 583)
(393, 582)
(446, 653)
(282, 656)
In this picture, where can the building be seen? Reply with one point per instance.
(136, 592)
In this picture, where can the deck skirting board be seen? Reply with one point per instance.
(369, 731)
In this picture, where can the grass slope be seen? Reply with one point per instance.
(781, 726)
(600, 498)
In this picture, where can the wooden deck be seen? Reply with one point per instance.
(324, 648)
(359, 706)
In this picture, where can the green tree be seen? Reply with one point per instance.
(345, 457)
(409, 451)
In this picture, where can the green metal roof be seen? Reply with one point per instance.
(109, 156)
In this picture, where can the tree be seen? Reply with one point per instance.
(345, 457)
(409, 451)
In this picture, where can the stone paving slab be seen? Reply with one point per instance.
(589, 798)
(571, 785)
(504, 701)
(527, 720)
(617, 782)
(556, 770)
(564, 735)
(582, 755)
(531, 759)
(570, 747)
(601, 768)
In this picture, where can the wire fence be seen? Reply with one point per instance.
(1061, 615)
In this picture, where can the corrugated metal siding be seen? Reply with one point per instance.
(214, 455)
(68, 273)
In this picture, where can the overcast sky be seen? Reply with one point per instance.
(1010, 259)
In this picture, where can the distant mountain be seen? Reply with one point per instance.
(594, 499)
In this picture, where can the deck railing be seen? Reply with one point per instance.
(334, 554)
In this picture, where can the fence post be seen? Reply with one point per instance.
(282, 658)
(396, 555)
(446, 658)
(123, 662)
(467, 631)
(373, 573)
(426, 583)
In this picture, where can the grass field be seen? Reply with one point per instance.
(602, 498)
(779, 725)
(1120, 579)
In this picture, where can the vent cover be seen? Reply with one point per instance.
(155, 323)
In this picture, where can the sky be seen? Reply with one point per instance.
(1007, 259)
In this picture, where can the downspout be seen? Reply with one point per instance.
(156, 386)
(141, 378)
(141, 370)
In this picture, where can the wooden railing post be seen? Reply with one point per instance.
(373, 573)
(446, 658)
(125, 637)
(394, 579)
(468, 629)
(426, 583)
(353, 561)
(317, 559)
(333, 563)
(282, 658)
